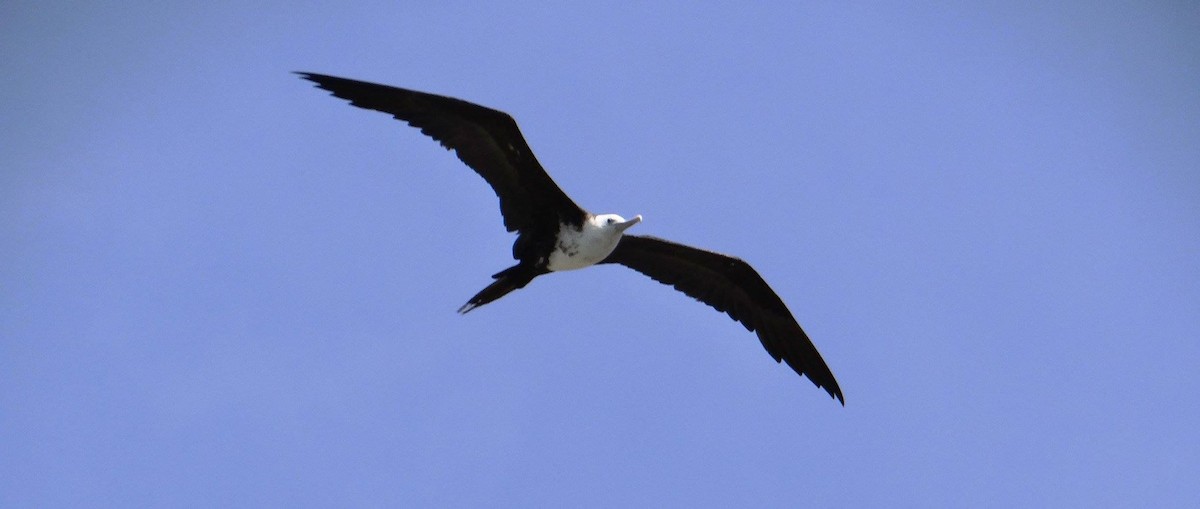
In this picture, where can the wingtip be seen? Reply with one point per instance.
(307, 75)
(834, 391)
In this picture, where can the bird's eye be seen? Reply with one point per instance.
(611, 220)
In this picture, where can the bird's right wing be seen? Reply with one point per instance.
(487, 140)
(731, 286)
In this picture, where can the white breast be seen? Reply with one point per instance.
(577, 249)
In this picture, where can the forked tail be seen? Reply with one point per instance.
(506, 281)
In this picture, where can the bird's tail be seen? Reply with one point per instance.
(506, 281)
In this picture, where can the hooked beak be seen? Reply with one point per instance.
(625, 226)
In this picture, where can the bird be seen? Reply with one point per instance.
(555, 234)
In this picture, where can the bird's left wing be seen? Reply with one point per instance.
(487, 140)
(731, 286)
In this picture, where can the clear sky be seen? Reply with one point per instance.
(221, 287)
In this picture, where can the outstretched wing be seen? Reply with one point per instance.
(731, 286)
(485, 139)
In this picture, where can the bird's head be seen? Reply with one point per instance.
(615, 223)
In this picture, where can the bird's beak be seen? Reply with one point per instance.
(625, 226)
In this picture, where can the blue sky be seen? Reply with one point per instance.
(221, 287)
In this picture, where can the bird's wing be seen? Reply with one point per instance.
(485, 139)
(732, 286)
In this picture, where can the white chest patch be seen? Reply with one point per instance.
(577, 249)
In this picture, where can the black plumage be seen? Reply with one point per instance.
(532, 205)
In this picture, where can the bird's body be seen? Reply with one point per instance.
(554, 234)
(576, 248)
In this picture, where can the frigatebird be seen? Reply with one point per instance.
(554, 234)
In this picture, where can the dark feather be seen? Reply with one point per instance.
(487, 140)
(732, 286)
